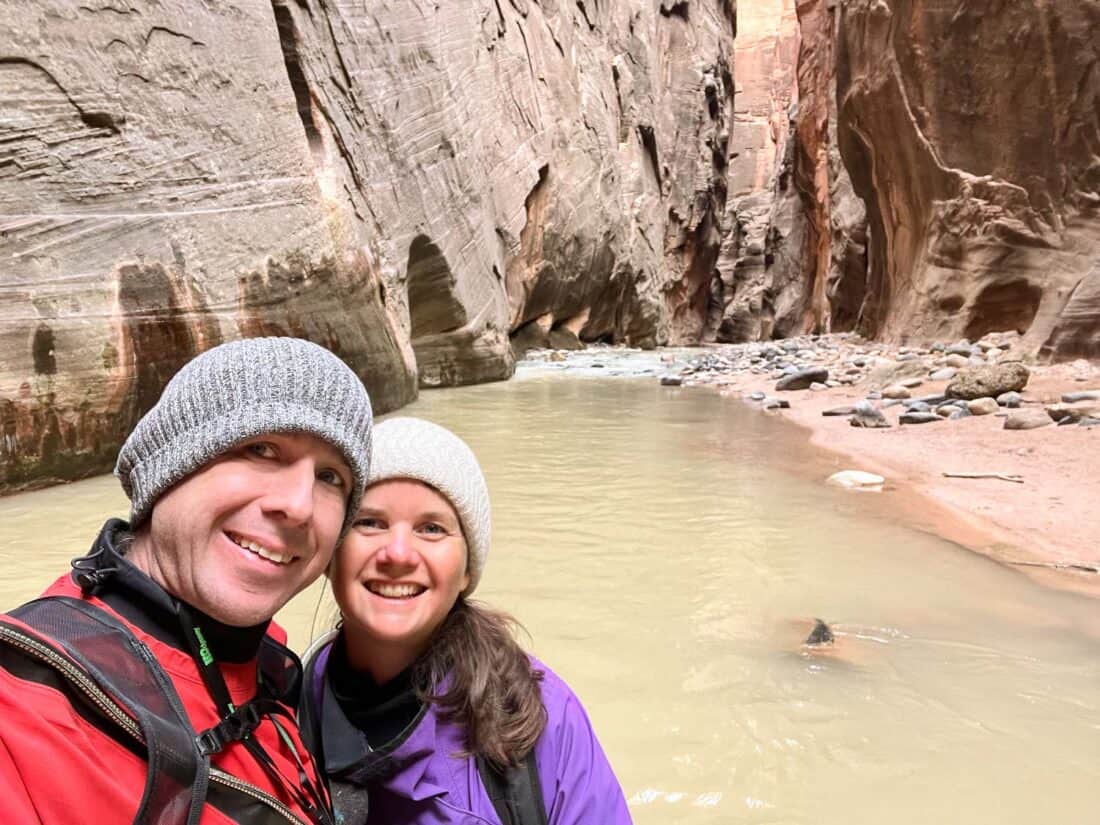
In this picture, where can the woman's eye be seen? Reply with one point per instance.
(370, 523)
(433, 529)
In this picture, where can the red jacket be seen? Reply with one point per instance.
(57, 766)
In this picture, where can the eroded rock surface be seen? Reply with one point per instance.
(406, 184)
(972, 135)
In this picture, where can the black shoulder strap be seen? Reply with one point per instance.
(126, 672)
(516, 793)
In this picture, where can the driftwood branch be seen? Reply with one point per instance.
(1002, 476)
(1060, 565)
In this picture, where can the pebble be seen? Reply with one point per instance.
(918, 418)
(1087, 395)
(856, 480)
(838, 411)
(1089, 421)
(911, 383)
(802, 379)
(918, 407)
(896, 391)
(962, 347)
(671, 380)
(1063, 412)
(960, 412)
(1011, 399)
(1026, 419)
(869, 416)
(758, 395)
(776, 404)
(982, 406)
(817, 386)
(945, 374)
(956, 360)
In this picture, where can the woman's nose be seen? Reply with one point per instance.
(399, 548)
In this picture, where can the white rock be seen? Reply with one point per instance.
(856, 480)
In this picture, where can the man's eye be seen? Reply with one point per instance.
(331, 477)
(260, 449)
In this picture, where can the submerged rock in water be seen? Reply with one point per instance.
(820, 635)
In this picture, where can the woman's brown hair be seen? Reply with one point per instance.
(489, 685)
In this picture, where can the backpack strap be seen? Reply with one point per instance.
(516, 792)
(82, 642)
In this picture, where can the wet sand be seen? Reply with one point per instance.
(1048, 525)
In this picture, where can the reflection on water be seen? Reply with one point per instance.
(666, 565)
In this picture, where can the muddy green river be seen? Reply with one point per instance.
(665, 547)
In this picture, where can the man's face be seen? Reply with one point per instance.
(239, 537)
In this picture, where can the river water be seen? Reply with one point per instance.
(665, 548)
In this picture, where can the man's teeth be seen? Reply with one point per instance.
(395, 591)
(261, 551)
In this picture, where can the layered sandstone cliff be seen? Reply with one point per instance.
(408, 184)
(941, 176)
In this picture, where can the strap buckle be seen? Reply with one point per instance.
(235, 727)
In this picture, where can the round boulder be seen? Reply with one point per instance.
(990, 380)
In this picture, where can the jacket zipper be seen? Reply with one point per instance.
(111, 709)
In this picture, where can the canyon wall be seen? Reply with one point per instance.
(940, 179)
(430, 189)
(415, 186)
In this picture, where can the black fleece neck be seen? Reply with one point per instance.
(146, 604)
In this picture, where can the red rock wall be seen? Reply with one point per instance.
(934, 184)
(972, 133)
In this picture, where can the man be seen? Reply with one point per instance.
(149, 685)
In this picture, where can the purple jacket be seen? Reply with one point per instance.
(430, 785)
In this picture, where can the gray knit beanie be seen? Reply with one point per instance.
(238, 391)
(417, 449)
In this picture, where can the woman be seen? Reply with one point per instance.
(421, 702)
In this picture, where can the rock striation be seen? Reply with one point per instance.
(408, 185)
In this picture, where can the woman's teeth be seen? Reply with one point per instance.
(395, 591)
(260, 550)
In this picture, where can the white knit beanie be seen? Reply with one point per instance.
(420, 450)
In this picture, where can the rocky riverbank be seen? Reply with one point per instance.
(1005, 451)
(977, 443)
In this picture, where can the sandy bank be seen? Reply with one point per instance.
(1046, 525)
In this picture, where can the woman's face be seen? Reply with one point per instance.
(400, 569)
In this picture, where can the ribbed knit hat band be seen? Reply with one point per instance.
(420, 450)
(238, 391)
